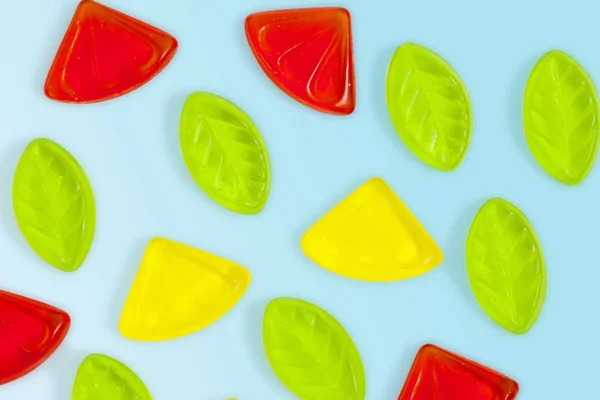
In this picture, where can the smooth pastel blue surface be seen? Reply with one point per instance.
(129, 148)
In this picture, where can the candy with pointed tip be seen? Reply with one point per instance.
(308, 54)
(103, 378)
(372, 236)
(106, 54)
(30, 331)
(441, 375)
(180, 290)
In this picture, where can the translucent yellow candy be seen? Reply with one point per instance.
(372, 236)
(180, 290)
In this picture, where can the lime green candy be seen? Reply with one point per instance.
(54, 205)
(311, 353)
(104, 378)
(225, 153)
(429, 106)
(506, 266)
(561, 117)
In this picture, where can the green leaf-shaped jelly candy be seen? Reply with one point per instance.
(104, 378)
(225, 153)
(560, 115)
(54, 205)
(311, 353)
(506, 266)
(429, 106)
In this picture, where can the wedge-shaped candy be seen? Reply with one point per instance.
(438, 374)
(106, 54)
(54, 205)
(560, 114)
(307, 53)
(104, 378)
(429, 106)
(180, 290)
(311, 353)
(506, 266)
(225, 153)
(30, 332)
(372, 236)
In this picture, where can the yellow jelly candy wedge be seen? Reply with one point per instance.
(180, 290)
(372, 236)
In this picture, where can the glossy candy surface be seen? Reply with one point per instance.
(30, 331)
(225, 153)
(561, 114)
(440, 375)
(180, 290)
(54, 205)
(103, 378)
(311, 353)
(308, 54)
(372, 236)
(106, 54)
(506, 266)
(429, 106)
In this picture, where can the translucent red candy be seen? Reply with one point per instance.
(30, 332)
(308, 54)
(441, 375)
(106, 54)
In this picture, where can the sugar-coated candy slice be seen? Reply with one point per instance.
(106, 54)
(225, 153)
(372, 236)
(308, 54)
(506, 266)
(54, 205)
(30, 331)
(311, 353)
(441, 375)
(560, 115)
(429, 106)
(103, 378)
(180, 290)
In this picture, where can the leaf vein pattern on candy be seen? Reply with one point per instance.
(225, 153)
(429, 106)
(506, 266)
(311, 353)
(560, 116)
(54, 205)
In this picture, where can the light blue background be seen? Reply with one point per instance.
(129, 148)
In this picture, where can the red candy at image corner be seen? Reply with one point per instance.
(442, 375)
(30, 331)
(106, 54)
(308, 54)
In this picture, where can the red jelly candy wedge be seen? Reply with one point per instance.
(106, 54)
(308, 54)
(30, 332)
(441, 375)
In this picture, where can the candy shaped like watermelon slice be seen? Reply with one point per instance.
(308, 54)
(106, 54)
(30, 331)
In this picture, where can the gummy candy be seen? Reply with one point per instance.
(106, 54)
(54, 205)
(30, 331)
(561, 117)
(311, 353)
(225, 153)
(506, 266)
(441, 375)
(308, 54)
(372, 236)
(180, 290)
(429, 106)
(103, 378)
